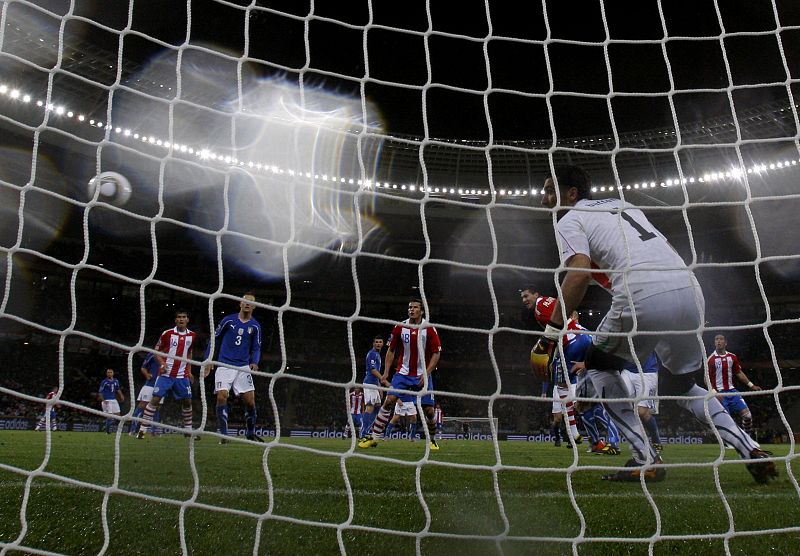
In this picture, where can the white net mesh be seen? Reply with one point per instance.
(337, 162)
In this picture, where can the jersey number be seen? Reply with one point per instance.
(238, 340)
(644, 234)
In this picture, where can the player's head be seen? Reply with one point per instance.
(109, 373)
(529, 295)
(720, 343)
(377, 343)
(181, 319)
(246, 306)
(573, 182)
(575, 316)
(415, 309)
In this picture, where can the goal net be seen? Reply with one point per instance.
(469, 428)
(337, 162)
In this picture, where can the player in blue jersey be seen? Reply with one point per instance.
(238, 339)
(372, 379)
(112, 396)
(642, 385)
(593, 413)
(150, 369)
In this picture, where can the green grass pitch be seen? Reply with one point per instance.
(292, 498)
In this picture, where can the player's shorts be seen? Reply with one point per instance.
(558, 406)
(645, 384)
(146, 394)
(239, 380)
(181, 388)
(372, 396)
(411, 383)
(671, 320)
(110, 406)
(733, 404)
(405, 408)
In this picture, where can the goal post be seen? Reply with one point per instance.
(338, 160)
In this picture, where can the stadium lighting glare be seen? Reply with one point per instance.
(3, 89)
(26, 98)
(14, 93)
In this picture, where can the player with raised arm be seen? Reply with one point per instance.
(653, 291)
(642, 385)
(41, 425)
(238, 338)
(149, 369)
(722, 367)
(372, 379)
(175, 347)
(562, 378)
(416, 346)
(112, 396)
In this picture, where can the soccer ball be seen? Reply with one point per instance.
(110, 187)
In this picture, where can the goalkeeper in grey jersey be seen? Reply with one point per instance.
(656, 301)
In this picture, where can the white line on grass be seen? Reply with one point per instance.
(181, 492)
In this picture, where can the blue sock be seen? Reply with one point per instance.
(156, 419)
(222, 419)
(588, 418)
(412, 430)
(250, 420)
(109, 423)
(366, 423)
(651, 427)
(611, 427)
(135, 424)
(388, 430)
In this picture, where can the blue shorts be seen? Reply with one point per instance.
(411, 383)
(732, 404)
(181, 388)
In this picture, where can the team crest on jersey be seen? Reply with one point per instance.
(241, 331)
(249, 329)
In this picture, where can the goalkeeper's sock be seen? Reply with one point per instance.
(222, 419)
(730, 432)
(652, 429)
(610, 386)
(250, 420)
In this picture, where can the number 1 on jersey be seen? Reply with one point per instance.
(644, 235)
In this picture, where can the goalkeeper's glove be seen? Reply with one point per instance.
(542, 352)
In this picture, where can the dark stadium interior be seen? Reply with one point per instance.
(467, 255)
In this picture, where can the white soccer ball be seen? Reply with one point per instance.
(110, 187)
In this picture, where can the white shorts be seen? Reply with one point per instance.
(372, 396)
(671, 325)
(638, 387)
(558, 407)
(146, 394)
(226, 378)
(404, 409)
(110, 406)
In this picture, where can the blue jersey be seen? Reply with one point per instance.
(239, 342)
(109, 388)
(153, 367)
(650, 366)
(373, 363)
(575, 351)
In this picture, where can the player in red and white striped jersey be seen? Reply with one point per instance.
(174, 349)
(42, 424)
(415, 347)
(438, 418)
(722, 367)
(356, 401)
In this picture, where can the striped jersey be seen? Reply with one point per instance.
(438, 415)
(356, 403)
(543, 311)
(414, 346)
(721, 369)
(174, 344)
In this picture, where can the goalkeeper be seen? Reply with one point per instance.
(657, 304)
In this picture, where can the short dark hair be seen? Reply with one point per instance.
(529, 287)
(417, 300)
(568, 176)
(181, 312)
(378, 337)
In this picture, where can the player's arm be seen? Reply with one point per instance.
(189, 373)
(146, 373)
(255, 350)
(120, 395)
(387, 364)
(739, 373)
(573, 288)
(433, 362)
(218, 334)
